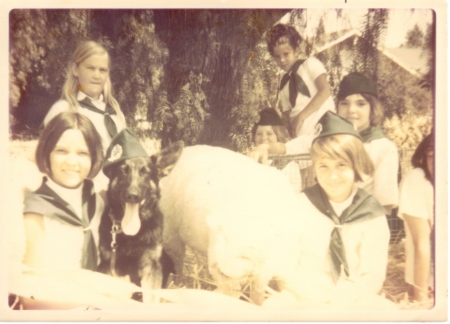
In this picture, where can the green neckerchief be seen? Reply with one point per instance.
(296, 83)
(363, 207)
(371, 133)
(45, 201)
(109, 123)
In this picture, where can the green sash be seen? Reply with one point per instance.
(372, 133)
(109, 122)
(45, 201)
(296, 83)
(364, 207)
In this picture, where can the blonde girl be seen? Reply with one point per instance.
(345, 238)
(88, 90)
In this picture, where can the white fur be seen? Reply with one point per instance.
(243, 215)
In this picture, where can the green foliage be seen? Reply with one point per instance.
(198, 75)
(414, 37)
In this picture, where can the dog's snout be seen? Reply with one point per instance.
(132, 197)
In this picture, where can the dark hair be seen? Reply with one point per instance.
(376, 108)
(280, 131)
(53, 131)
(281, 34)
(419, 158)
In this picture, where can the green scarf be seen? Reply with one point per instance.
(296, 83)
(371, 133)
(364, 207)
(109, 123)
(47, 202)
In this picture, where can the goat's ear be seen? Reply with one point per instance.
(166, 159)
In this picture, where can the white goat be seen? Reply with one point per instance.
(243, 215)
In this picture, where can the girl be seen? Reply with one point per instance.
(62, 217)
(87, 90)
(416, 210)
(305, 92)
(270, 129)
(345, 238)
(357, 102)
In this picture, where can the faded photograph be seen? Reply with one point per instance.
(224, 163)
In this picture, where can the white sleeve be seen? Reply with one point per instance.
(299, 145)
(57, 108)
(314, 67)
(386, 173)
(413, 195)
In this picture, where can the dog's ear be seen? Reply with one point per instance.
(166, 159)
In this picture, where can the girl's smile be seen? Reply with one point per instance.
(356, 109)
(335, 176)
(265, 134)
(92, 74)
(285, 56)
(70, 160)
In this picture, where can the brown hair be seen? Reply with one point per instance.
(376, 108)
(280, 131)
(348, 148)
(53, 132)
(281, 34)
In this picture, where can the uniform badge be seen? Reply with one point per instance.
(116, 153)
(318, 129)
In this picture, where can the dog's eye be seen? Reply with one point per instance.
(143, 171)
(124, 168)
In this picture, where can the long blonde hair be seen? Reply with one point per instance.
(70, 87)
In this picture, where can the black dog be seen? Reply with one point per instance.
(131, 229)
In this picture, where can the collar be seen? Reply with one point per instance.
(81, 96)
(371, 133)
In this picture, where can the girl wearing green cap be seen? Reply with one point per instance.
(357, 102)
(270, 129)
(62, 217)
(304, 89)
(345, 237)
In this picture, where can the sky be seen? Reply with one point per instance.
(400, 21)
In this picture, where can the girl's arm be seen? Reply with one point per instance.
(261, 152)
(385, 177)
(34, 237)
(420, 233)
(316, 102)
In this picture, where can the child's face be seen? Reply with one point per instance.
(335, 176)
(356, 109)
(265, 134)
(285, 56)
(92, 74)
(70, 160)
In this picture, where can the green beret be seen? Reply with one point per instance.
(269, 117)
(123, 146)
(333, 124)
(354, 83)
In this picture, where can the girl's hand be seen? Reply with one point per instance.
(260, 153)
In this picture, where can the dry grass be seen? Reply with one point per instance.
(395, 288)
